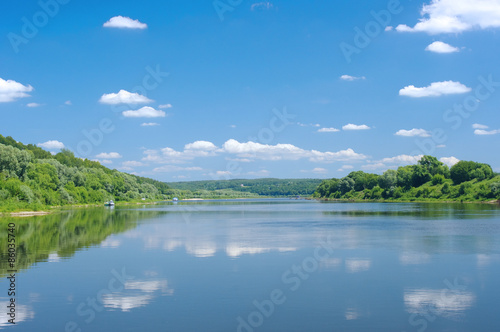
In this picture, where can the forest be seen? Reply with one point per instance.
(428, 180)
(260, 187)
(32, 178)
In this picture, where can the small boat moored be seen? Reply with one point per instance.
(175, 199)
(109, 203)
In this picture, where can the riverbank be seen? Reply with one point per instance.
(493, 202)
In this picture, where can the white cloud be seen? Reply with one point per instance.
(402, 159)
(450, 161)
(105, 161)
(201, 145)
(124, 23)
(165, 106)
(317, 170)
(482, 132)
(345, 168)
(351, 126)
(33, 105)
(51, 145)
(455, 16)
(144, 112)
(286, 152)
(247, 151)
(328, 130)
(124, 97)
(440, 47)
(440, 146)
(68, 102)
(265, 5)
(149, 124)
(11, 90)
(436, 89)
(413, 132)
(351, 78)
(111, 155)
(308, 125)
(389, 28)
(479, 126)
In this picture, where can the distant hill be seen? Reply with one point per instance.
(261, 187)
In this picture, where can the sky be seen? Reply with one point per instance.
(201, 90)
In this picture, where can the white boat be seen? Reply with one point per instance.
(109, 203)
(175, 199)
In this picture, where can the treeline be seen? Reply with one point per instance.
(429, 179)
(32, 178)
(261, 187)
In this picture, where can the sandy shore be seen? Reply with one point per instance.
(192, 199)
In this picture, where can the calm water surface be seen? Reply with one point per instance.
(262, 265)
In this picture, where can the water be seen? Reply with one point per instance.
(263, 265)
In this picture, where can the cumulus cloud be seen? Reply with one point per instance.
(144, 112)
(33, 105)
(11, 90)
(165, 106)
(345, 168)
(124, 97)
(450, 161)
(124, 22)
(149, 124)
(440, 47)
(481, 132)
(328, 130)
(286, 152)
(200, 145)
(111, 155)
(351, 78)
(455, 16)
(413, 132)
(351, 126)
(436, 89)
(51, 145)
(247, 151)
(389, 28)
(479, 126)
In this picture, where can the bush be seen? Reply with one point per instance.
(438, 179)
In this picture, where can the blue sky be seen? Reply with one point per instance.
(184, 90)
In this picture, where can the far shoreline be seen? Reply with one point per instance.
(24, 214)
